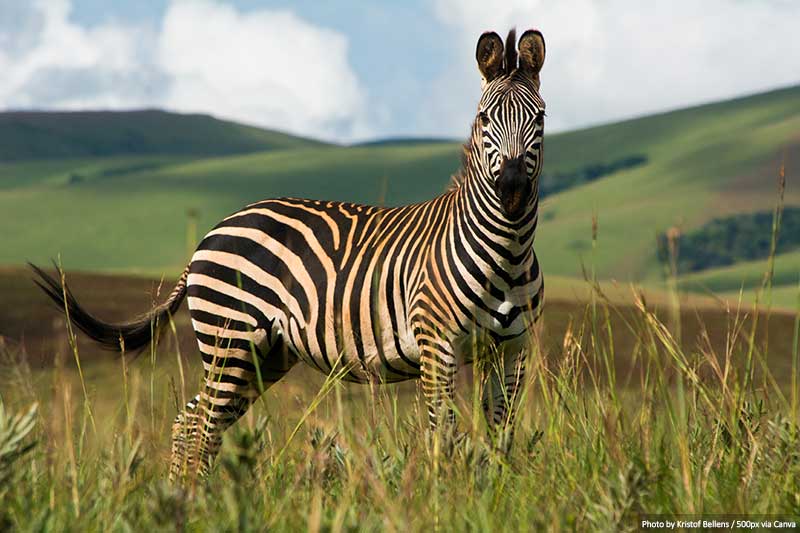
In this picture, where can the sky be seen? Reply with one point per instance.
(347, 71)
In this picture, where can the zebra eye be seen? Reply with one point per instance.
(540, 116)
(484, 118)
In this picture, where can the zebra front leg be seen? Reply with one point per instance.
(437, 376)
(502, 385)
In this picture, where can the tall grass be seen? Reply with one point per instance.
(682, 431)
(603, 437)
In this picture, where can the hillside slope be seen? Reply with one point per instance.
(38, 135)
(701, 163)
(129, 213)
(117, 218)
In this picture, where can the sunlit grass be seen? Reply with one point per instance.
(682, 431)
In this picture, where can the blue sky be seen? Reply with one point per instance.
(352, 70)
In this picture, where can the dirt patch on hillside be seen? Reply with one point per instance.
(30, 322)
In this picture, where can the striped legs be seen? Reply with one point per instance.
(185, 435)
(197, 431)
(502, 384)
(438, 371)
(231, 385)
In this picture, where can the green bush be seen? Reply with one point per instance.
(729, 240)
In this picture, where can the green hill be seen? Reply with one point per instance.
(702, 163)
(114, 220)
(38, 135)
(748, 275)
(129, 212)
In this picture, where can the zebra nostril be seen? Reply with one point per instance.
(513, 166)
(513, 186)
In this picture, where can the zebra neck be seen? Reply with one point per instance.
(485, 231)
(478, 185)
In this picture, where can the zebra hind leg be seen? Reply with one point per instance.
(197, 432)
(230, 387)
(184, 434)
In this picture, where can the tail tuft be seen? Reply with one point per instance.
(129, 336)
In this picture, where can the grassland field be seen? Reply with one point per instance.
(623, 415)
(638, 400)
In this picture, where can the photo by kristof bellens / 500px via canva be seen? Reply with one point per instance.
(198, 195)
(370, 294)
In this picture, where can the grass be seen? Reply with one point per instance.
(633, 404)
(28, 316)
(149, 210)
(696, 158)
(747, 275)
(676, 431)
(630, 408)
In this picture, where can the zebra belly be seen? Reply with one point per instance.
(380, 353)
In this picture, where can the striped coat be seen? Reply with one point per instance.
(387, 294)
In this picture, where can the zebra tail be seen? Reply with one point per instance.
(124, 337)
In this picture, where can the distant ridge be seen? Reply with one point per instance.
(59, 134)
(406, 141)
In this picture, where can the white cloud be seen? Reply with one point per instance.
(623, 58)
(49, 62)
(264, 67)
(606, 60)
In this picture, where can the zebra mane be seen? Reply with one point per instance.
(460, 176)
(511, 51)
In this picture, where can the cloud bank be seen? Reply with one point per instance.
(621, 58)
(264, 67)
(606, 60)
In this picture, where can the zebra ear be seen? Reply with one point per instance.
(490, 56)
(531, 52)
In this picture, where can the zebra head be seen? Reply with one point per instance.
(510, 121)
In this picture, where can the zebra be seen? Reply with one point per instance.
(384, 293)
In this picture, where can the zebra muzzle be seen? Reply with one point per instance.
(513, 187)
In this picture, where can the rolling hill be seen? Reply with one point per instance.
(28, 135)
(128, 211)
